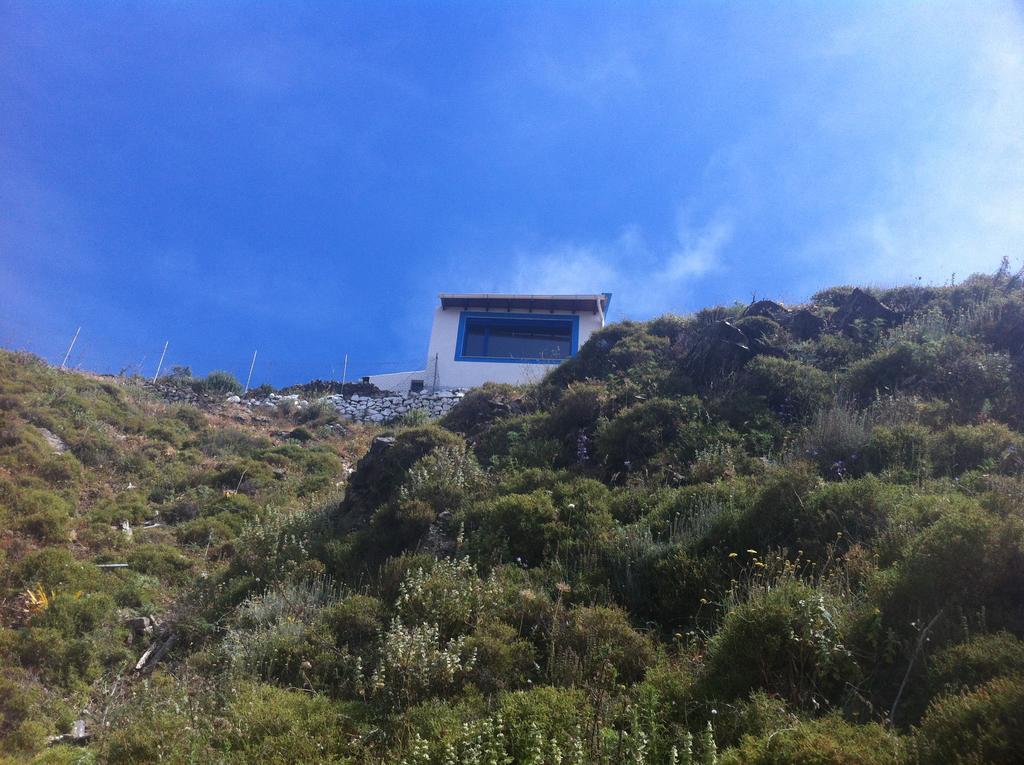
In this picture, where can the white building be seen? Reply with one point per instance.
(500, 338)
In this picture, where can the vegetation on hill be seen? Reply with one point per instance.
(754, 534)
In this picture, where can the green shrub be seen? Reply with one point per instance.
(669, 584)
(828, 741)
(979, 727)
(450, 595)
(447, 478)
(967, 559)
(160, 560)
(858, 509)
(902, 452)
(578, 408)
(976, 661)
(218, 382)
(967, 447)
(516, 527)
(671, 430)
(482, 407)
(553, 711)
(890, 370)
(355, 621)
(74, 639)
(381, 473)
(192, 417)
(782, 515)
(19, 729)
(504, 661)
(599, 646)
(55, 568)
(42, 514)
(791, 390)
(416, 663)
(785, 639)
(300, 434)
(211, 531)
(970, 378)
(521, 442)
(836, 439)
(274, 726)
(626, 350)
(398, 526)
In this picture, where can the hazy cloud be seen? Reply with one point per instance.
(952, 200)
(647, 279)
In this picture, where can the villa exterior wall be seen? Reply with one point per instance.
(444, 371)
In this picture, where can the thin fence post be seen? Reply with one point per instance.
(161, 362)
(435, 374)
(65, 361)
(344, 374)
(249, 378)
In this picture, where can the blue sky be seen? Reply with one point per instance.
(304, 178)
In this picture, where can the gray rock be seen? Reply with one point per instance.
(53, 440)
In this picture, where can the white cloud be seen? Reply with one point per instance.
(647, 279)
(952, 199)
(699, 249)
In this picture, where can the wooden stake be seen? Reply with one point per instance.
(161, 361)
(344, 374)
(249, 378)
(70, 347)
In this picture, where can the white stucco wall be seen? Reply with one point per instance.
(469, 374)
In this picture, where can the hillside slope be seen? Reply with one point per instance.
(758, 533)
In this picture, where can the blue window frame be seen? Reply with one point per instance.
(520, 338)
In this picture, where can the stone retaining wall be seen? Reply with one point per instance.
(383, 408)
(360, 408)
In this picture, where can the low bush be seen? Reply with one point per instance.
(448, 478)
(890, 370)
(516, 527)
(976, 661)
(160, 560)
(791, 390)
(598, 645)
(902, 452)
(828, 741)
(42, 514)
(785, 639)
(218, 382)
(836, 440)
(782, 514)
(660, 433)
(979, 727)
(381, 473)
(482, 407)
(968, 447)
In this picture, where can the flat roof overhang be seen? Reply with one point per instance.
(593, 303)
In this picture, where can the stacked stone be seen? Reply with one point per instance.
(382, 408)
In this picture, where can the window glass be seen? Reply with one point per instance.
(499, 338)
(475, 339)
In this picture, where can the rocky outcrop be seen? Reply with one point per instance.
(769, 309)
(804, 325)
(718, 350)
(859, 306)
(53, 441)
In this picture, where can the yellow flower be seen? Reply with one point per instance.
(752, 552)
(732, 555)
